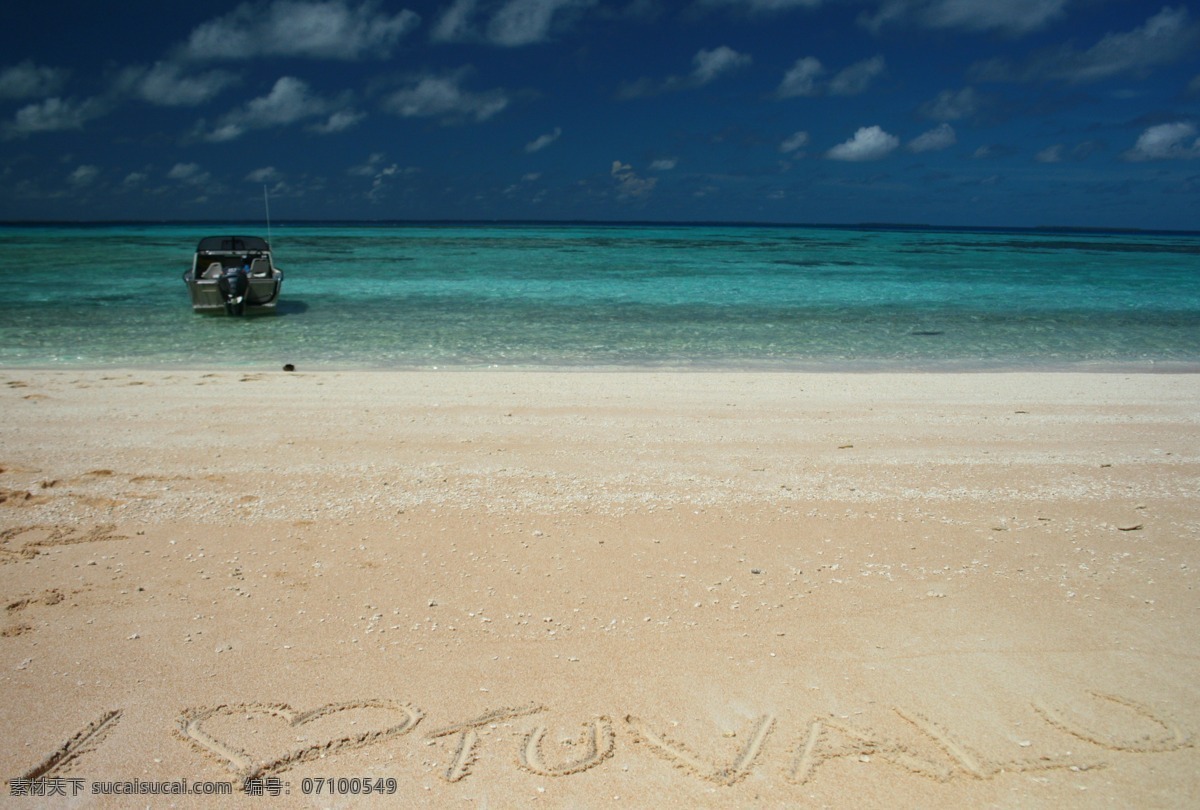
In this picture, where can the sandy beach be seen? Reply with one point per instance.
(512, 589)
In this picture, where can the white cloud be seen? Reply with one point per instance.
(368, 168)
(709, 65)
(664, 164)
(339, 121)
(329, 29)
(868, 143)
(801, 78)
(443, 97)
(629, 184)
(936, 139)
(1008, 16)
(855, 79)
(166, 85)
(134, 179)
(804, 78)
(189, 173)
(794, 142)
(381, 176)
(84, 175)
(1051, 154)
(1164, 38)
(542, 141)
(760, 6)
(267, 174)
(952, 106)
(28, 80)
(1166, 142)
(524, 22)
(53, 115)
(455, 23)
(288, 102)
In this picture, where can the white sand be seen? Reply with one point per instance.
(511, 589)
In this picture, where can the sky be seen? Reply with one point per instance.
(1009, 113)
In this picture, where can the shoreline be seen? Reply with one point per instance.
(855, 368)
(838, 589)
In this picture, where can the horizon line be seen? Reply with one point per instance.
(912, 226)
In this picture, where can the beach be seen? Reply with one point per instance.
(588, 589)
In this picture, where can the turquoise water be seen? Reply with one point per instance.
(568, 296)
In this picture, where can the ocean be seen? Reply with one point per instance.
(569, 296)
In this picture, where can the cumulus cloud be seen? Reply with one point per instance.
(319, 29)
(868, 143)
(455, 23)
(288, 102)
(524, 22)
(761, 6)
(84, 175)
(952, 105)
(1058, 153)
(629, 184)
(29, 80)
(936, 139)
(1165, 38)
(1051, 154)
(855, 79)
(993, 150)
(267, 174)
(53, 115)
(523, 185)
(443, 97)
(381, 175)
(794, 142)
(707, 66)
(165, 84)
(1010, 16)
(804, 78)
(664, 164)
(510, 24)
(801, 78)
(1166, 142)
(339, 121)
(368, 167)
(542, 141)
(189, 173)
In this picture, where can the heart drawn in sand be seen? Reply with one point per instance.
(234, 721)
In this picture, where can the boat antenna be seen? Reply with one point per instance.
(267, 205)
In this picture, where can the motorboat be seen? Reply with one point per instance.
(234, 274)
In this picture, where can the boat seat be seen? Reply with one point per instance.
(260, 268)
(215, 270)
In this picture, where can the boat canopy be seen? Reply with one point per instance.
(232, 244)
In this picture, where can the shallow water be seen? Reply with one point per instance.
(570, 296)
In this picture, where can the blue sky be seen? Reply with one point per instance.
(952, 112)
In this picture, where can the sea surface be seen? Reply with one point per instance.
(381, 296)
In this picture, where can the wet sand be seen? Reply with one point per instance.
(513, 589)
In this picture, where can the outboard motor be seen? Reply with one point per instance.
(234, 285)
